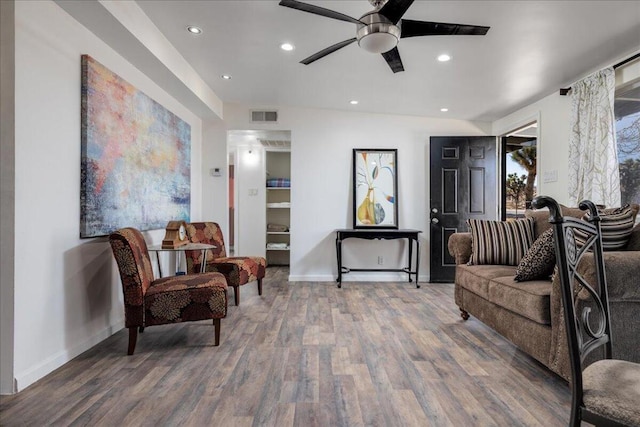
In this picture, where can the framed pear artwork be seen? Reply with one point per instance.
(375, 188)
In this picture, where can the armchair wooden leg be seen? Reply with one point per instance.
(141, 329)
(464, 314)
(259, 286)
(236, 294)
(216, 327)
(133, 337)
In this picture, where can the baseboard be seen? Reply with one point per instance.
(312, 278)
(355, 277)
(25, 379)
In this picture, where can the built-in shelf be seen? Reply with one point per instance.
(278, 208)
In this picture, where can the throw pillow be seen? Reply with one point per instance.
(499, 242)
(616, 225)
(539, 261)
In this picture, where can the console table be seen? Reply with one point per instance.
(386, 234)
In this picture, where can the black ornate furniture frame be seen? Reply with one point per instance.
(606, 392)
(380, 234)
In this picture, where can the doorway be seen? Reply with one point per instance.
(247, 161)
(519, 170)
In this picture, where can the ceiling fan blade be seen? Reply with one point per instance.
(393, 59)
(317, 10)
(411, 28)
(327, 51)
(394, 9)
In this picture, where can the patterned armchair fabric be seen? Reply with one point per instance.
(150, 301)
(237, 270)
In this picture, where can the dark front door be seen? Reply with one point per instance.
(463, 185)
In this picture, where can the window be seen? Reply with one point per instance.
(627, 112)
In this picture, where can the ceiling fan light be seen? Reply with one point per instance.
(377, 34)
(378, 42)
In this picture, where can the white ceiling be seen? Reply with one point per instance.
(532, 49)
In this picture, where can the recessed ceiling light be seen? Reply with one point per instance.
(354, 102)
(226, 77)
(286, 46)
(444, 110)
(194, 30)
(444, 57)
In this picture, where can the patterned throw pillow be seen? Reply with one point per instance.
(616, 225)
(539, 261)
(500, 242)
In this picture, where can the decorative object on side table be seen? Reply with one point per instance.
(175, 235)
(375, 188)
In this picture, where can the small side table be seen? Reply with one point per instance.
(188, 247)
(386, 234)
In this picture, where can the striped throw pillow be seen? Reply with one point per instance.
(616, 225)
(500, 242)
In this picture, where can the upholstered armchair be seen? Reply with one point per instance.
(237, 270)
(149, 301)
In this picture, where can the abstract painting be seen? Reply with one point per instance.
(375, 188)
(136, 157)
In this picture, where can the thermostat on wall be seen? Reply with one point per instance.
(215, 171)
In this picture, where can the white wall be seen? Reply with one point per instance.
(321, 175)
(215, 206)
(251, 200)
(67, 290)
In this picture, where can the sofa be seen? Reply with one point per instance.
(530, 314)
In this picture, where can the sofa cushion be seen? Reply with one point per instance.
(541, 217)
(616, 225)
(539, 260)
(476, 278)
(634, 240)
(500, 242)
(529, 299)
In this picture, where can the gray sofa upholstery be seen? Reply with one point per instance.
(530, 314)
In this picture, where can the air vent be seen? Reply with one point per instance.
(264, 116)
(270, 143)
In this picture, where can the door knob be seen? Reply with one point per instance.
(435, 220)
(434, 210)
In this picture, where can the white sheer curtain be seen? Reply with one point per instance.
(593, 154)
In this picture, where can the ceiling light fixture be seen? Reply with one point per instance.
(444, 110)
(353, 102)
(444, 57)
(376, 33)
(286, 47)
(194, 30)
(226, 77)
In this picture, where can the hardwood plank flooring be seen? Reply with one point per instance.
(305, 354)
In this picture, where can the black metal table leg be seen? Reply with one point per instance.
(410, 241)
(339, 256)
(417, 262)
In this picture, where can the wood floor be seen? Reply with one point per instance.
(305, 354)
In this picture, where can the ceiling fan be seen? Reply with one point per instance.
(380, 30)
